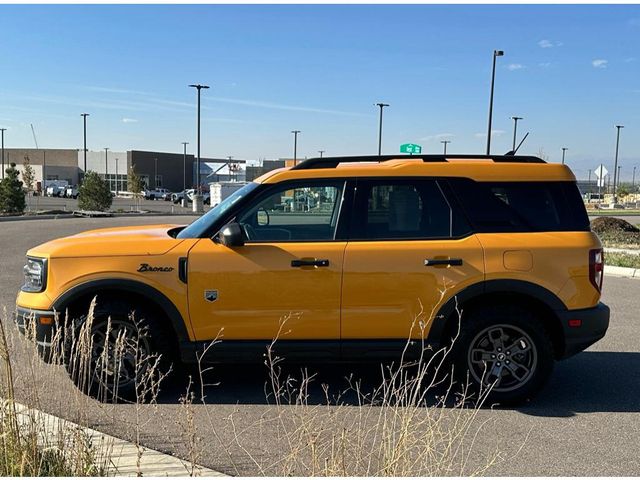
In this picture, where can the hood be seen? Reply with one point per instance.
(111, 242)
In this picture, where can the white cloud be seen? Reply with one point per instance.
(544, 64)
(515, 66)
(545, 44)
(600, 63)
(129, 120)
(439, 136)
(494, 133)
(630, 59)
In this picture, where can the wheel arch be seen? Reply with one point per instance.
(84, 293)
(541, 301)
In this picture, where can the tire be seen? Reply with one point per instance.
(145, 350)
(503, 352)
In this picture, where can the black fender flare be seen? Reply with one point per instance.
(128, 286)
(477, 290)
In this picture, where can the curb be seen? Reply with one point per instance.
(622, 271)
(125, 459)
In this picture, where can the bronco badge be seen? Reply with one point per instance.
(145, 267)
(210, 295)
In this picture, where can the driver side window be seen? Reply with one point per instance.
(294, 212)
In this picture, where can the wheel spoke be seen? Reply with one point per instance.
(496, 336)
(517, 370)
(520, 345)
(478, 355)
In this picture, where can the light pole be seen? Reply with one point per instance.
(496, 54)
(515, 130)
(155, 177)
(116, 177)
(589, 181)
(381, 105)
(295, 146)
(184, 166)
(444, 142)
(564, 149)
(3, 130)
(615, 166)
(84, 121)
(321, 152)
(633, 181)
(106, 162)
(197, 198)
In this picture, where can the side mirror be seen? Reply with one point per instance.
(231, 235)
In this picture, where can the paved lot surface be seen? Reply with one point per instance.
(585, 422)
(123, 204)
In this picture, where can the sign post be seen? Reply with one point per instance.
(410, 148)
(601, 173)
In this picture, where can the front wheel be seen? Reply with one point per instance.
(504, 353)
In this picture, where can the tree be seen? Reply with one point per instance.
(624, 190)
(135, 185)
(11, 192)
(94, 193)
(28, 175)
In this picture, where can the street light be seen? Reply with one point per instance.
(381, 105)
(564, 149)
(321, 152)
(633, 181)
(515, 129)
(3, 130)
(106, 163)
(295, 146)
(615, 166)
(184, 166)
(84, 121)
(155, 178)
(116, 177)
(197, 198)
(444, 142)
(496, 53)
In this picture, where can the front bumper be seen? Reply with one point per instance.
(39, 325)
(593, 326)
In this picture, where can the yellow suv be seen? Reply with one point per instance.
(352, 251)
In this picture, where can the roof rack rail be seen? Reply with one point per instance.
(333, 162)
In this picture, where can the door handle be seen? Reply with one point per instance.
(310, 263)
(434, 262)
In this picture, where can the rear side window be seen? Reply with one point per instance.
(522, 206)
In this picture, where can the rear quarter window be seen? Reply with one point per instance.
(522, 206)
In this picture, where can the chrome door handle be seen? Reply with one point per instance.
(434, 262)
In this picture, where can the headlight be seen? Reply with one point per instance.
(35, 275)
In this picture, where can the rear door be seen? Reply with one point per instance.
(408, 253)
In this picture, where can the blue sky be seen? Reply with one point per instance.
(572, 72)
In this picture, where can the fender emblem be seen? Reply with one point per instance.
(145, 267)
(210, 295)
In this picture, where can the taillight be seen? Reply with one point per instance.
(596, 267)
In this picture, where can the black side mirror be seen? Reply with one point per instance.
(231, 235)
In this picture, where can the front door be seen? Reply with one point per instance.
(408, 253)
(285, 281)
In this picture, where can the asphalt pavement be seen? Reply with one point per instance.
(585, 422)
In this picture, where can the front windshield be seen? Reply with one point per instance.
(198, 227)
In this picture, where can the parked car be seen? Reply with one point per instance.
(71, 191)
(206, 196)
(158, 193)
(490, 257)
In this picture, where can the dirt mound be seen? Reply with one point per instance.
(611, 225)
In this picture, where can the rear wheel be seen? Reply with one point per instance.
(505, 353)
(122, 354)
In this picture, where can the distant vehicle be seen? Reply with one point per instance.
(71, 191)
(157, 193)
(56, 188)
(218, 191)
(177, 197)
(206, 196)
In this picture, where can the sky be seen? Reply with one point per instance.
(572, 72)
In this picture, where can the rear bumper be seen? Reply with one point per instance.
(593, 326)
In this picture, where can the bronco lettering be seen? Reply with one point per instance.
(145, 267)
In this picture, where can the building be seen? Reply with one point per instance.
(254, 172)
(49, 164)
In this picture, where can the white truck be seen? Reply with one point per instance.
(56, 188)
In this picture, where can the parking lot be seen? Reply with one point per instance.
(585, 422)
(119, 204)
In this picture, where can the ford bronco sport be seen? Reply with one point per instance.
(496, 251)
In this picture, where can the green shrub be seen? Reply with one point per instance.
(94, 193)
(11, 192)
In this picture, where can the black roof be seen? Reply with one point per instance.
(332, 162)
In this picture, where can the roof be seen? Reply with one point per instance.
(478, 167)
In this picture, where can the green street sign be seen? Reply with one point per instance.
(410, 148)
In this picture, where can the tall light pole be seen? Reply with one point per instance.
(84, 121)
(381, 105)
(564, 149)
(633, 181)
(155, 178)
(321, 152)
(496, 54)
(3, 130)
(116, 177)
(295, 146)
(615, 166)
(106, 162)
(197, 198)
(515, 130)
(444, 142)
(184, 166)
